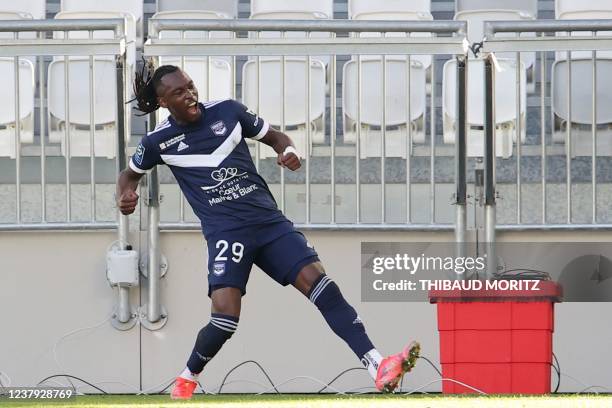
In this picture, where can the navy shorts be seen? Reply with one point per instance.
(277, 248)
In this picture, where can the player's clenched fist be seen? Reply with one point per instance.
(289, 159)
(127, 201)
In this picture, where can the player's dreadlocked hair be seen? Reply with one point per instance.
(145, 84)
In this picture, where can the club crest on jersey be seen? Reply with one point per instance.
(219, 128)
(218, 268)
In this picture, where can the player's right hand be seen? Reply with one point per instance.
(127, 202)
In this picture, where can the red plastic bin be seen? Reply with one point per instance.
(497, 341)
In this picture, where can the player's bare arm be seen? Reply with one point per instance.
(127, 198)
(283, 146)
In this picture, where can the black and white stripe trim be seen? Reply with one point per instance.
(224, 324)
(319, 288)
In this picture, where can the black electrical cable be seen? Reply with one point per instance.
(243, 363)
(76, 378)
(523, 273)
(558, 369)
(430, 363)
(338, 376)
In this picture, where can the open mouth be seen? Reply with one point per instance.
(192, 108)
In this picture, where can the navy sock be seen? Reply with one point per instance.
(340, 316)
(210, 339)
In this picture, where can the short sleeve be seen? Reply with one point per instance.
(253, 127)
(146, 157)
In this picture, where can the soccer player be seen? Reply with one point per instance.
(204, 146)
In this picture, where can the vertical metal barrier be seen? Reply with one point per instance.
(461, 159)
(566, 38)
(51, 40)
(489, 167)
(446, 38)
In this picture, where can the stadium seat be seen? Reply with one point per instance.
(270, 99)
(7, 105)
(259, 7)
(581, 89)
(267, 104)
(564, 6)
(36, 9)
(396, 105)
(213, 83)
(26, 87)
(129, 23)
(105, 105)
(425, 60)
(369, 6)
(133, 8)
(476, 19)
(505, 106)
(525, 6)
(227, 8)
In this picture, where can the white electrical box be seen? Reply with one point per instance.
(122, 267)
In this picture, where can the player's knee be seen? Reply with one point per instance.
(227, 301)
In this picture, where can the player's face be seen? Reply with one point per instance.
(179, 95)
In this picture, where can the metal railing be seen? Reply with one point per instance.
(572, 156)
(54, 42)
(248, 42)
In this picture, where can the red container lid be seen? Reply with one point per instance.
(519, 291)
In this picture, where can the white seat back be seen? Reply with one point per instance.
(581, 91)
(325, 7)
(130, 25)
(192, 14)
(527, 6)
(396, 102)
(425, 60)
(295, 90)
(26, 89)
(564, 6)
(368, 6)
(37, 9)
(585, 15)
(476, 19)
(105, 102)
(228, 8)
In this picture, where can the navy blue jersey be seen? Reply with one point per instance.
(213, 166)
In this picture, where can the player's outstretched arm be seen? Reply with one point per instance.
(283, 146)
(127, 183)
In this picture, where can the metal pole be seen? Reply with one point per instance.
(568, 140)
(519, 124)
(43, 97)
(68, 153)
(408, 139)
(17, 138)
(308, 133)
(358, 140)
(92, 131)
(594, 138)
(154, 273)
(489, 168)
(282, 112)
(332, 110)
(461, 159)
(383, 137)
(432, 152)
(543, 129)
(124, 308)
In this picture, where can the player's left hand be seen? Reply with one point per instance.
(289, 160)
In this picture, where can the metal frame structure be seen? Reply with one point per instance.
(542, 42)
(124, 317)
(448, 37)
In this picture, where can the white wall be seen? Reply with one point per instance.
(54, 283)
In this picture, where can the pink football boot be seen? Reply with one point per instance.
(183, 389)
(393, 368)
